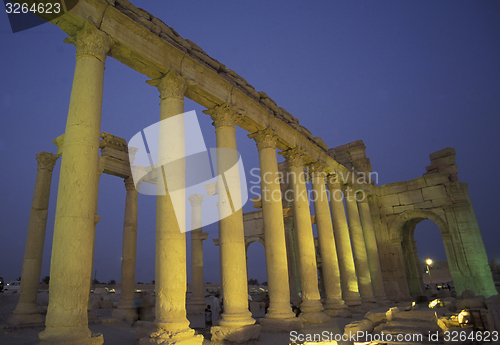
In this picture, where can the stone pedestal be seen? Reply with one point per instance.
(171, 325)
(126, 309)
(236, 317)
(71, 262)
(372, 250)
(358, 247)
(328, 251)
(279, 310)
(347, 269)
(311, 307)
(27, 309)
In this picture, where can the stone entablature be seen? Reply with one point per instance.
(212, 83)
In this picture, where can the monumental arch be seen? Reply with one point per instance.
(365, 244)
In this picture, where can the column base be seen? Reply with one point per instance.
(72, 338)
(280, 325)
(368, 299)
(351, 302)
(312, 313)
(124, 313)
(235, 334)
(25, 316)
(236, 320)
(156, 333)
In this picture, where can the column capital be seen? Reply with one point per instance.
(223, 115)
(195, 199)
(129, 184)
(171, 85)
(317, 169)
(294, 157)
(46, 160)
(264, 138)
(332, 181)
(91, 42)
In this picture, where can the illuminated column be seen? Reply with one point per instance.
(347, 269)
(279, 315)
(334, 304)
(27, 310)
(311, 307)
(71, 262)
(171, 324)
(92, 315)
(358, 246)
(371, 248)
(236, 318)
(126, 309)
(196, 305)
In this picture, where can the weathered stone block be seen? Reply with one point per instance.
(442, 153)
(434, 192)
(435, 179)
(401, 209)
(397, 187)
(236, 334)
(364, 325)
(410, 197)
(389, 200)
(416, 183)
(423, 205)
(386, 210)
(441, 202)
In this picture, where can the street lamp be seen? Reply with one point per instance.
(429, 263)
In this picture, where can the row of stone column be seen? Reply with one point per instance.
(71, 263)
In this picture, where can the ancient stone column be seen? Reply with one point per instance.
(171, 324)
(371, 248)
(125, 308)
(279, 317)
(347, 269)
(311, 307)
(71, 261)
(90, 313)
(196, 305)
(334, 305)
(27, 310)
(236, 318)
(358, 246)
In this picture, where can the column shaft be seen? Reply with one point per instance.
(359, 247)
(372, 249)
(171, 323)
(196, 304)
(126, 308)
(274, 232)
(311, 307)
(231, 234)
(328, 251)
(71, 260)
(343, 244)
(27, 309)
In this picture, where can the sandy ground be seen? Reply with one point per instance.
(123, 333)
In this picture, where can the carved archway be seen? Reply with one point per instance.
(402, 229)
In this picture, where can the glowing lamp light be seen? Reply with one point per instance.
(428, 262)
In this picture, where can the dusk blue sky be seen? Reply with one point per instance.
(406, 77)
